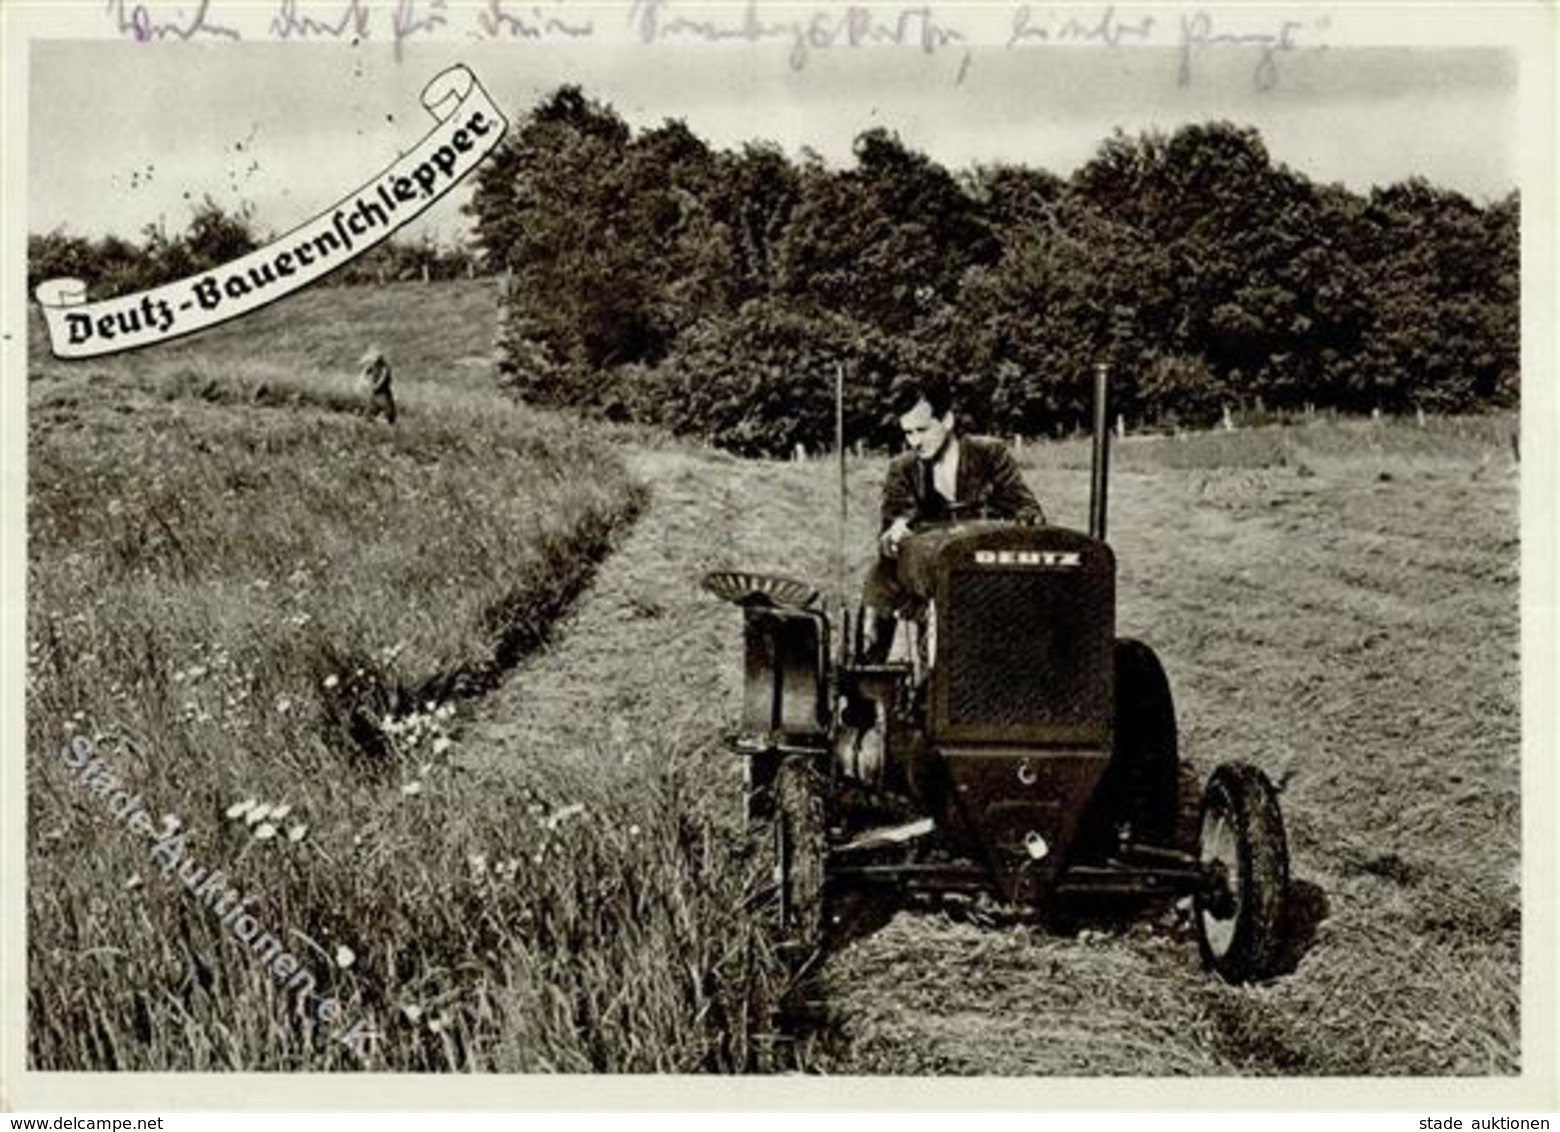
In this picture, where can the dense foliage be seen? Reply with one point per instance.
(654, 278)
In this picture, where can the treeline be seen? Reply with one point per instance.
(654, 278)
(112, 265)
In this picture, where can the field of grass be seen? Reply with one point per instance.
(471, 654)
(242, 590)
(1335, 603)
(1338, 604)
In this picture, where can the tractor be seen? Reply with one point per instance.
(1014, 746)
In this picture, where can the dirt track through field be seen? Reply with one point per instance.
(1351, 629)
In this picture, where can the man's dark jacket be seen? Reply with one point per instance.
(988, 485)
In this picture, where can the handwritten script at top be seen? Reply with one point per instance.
(1192, 33)
(852, 25)
(925, 28)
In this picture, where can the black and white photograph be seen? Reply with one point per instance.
(734, 541)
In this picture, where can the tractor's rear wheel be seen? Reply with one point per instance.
(1141, 790)
(1240, 912)
(801, 848)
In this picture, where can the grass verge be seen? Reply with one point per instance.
(260, 610)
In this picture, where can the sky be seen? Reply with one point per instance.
(122, 135)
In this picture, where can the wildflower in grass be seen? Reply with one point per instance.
(478, 863)
(171, 823)
(265, 831)
(412, 788)
(239, 809)
(331, 681)
(413, 1012)
(442, 744)
(574, 809)
(281, 811)
(297, 833)
(345, 957)
(258, 814)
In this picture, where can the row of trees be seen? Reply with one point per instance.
(655, 278)
(113, 265)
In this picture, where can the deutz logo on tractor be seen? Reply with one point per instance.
(1054, 558)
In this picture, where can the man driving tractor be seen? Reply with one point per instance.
(942, 477)
(1026, 749)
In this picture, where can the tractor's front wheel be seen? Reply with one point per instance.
(801, 848)
(1244, 854)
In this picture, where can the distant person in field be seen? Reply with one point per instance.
(942, 477)
(374, 376)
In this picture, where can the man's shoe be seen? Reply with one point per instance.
(879, 641)
(867, 756)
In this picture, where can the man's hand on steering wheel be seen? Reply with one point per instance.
(889, 540)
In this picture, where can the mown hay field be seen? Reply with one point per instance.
(522, 848)
(1336, 603)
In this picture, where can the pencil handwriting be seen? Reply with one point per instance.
(136, 21)
(654, 21)
(351, 20)
(409, 21)
(498, 20)
(1108, 29)
(802, 32)
(1198, 33)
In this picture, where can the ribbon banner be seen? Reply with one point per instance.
(469, 127)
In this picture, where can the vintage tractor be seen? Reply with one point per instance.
(1018, 746)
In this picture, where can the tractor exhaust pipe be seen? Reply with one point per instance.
(1100, 476)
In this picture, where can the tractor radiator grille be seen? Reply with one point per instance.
(1026, 648)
